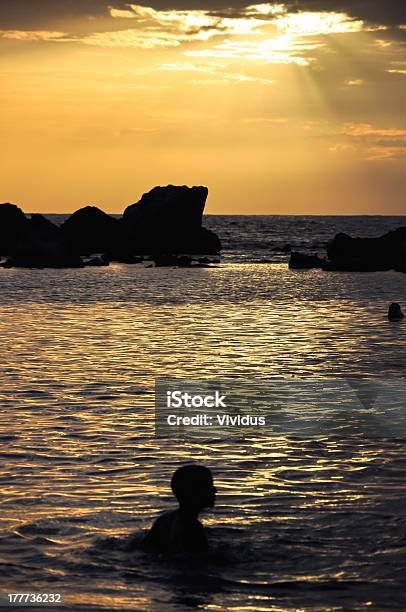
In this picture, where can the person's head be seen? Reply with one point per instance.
(193, 487)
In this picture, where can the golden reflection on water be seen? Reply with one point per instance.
(80, 462)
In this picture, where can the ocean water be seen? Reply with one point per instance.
(306, 521)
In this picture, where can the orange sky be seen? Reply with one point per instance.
(275, 111)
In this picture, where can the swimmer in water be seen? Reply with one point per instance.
(180, 531)
(395, 313)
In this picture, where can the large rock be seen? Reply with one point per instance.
(44, 228)
(172, 206)
(366, 254)
(39, 237)
(169, 220)
(90, 230)
(42, 245)
(13, 224)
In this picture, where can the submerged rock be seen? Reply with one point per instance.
(355, 264)
(96, 261)
(181, 261)
(126, 258)
(395, 312)
(300, 261)
(43, 261)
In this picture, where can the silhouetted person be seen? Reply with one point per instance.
(395, 313)
(180, 530)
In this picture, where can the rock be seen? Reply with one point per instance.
(43, 261)
(183, 261)
(43, 228)
(126, 258)
(42, 245)
(366, 254)
(343, 264)
(400, 266)
(395, 312)
(300, 261)
(96, 261)
(173, 205)
(90, 230)
(201, 242)
(180, 261)
(6, 263)
(208, 260)
(40, 237)
(168, 220)
(13, 224)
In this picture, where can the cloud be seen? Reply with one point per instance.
(354, 82)
(214, 74)
(250, 19)
(121, 13)
(366, 129)
(266, 32)
(134, 38)
(269, 51)
(370, 142)
(224, 78)
(265, 9)
(45, 14)
(32, 35)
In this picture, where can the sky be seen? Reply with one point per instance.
(294, 107)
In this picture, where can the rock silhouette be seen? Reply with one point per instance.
(299, 261)
(39, 244)
(90, 230)
(43, 261)
(165, 224)
(395, 312)
(172, 206)
(13, 224)
(169, 220)
(367, 254)
(348, 254)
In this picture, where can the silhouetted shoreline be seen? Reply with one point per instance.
(165, 226)
(165, 229)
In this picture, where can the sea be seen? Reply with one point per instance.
(310, 515)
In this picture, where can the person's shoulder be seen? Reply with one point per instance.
(166, 518)
(159, 534)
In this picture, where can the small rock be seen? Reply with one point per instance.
(300, 261)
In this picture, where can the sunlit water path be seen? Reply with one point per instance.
(301, 523)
